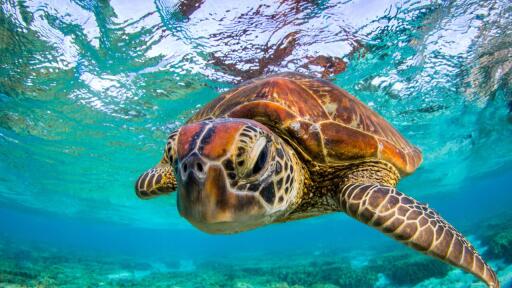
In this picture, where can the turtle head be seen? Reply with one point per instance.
(233, 175)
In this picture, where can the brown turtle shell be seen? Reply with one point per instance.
(324, 122)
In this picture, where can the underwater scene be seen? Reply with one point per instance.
(90, 92)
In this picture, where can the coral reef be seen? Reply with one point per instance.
(497, 235)
(35, 265)
(409, 267)
(500, 246)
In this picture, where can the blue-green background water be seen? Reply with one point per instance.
(89, 91)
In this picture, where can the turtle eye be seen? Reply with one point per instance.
(260, 161)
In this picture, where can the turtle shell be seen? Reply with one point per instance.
(325, 123)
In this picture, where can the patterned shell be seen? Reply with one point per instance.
(325, 123)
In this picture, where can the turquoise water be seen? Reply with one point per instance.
(90, 90)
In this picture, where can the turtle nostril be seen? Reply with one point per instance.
(185, 168)
(199, 167)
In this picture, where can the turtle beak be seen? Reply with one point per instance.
(156, 181)
(203, 195)
(209, 204)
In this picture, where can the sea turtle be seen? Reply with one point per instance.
(290, 146)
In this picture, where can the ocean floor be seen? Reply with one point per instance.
(43, 265)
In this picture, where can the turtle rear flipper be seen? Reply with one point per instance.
(415, 225)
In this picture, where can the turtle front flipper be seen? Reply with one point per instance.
(160, 179)
(415, 225)
(156, 181)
